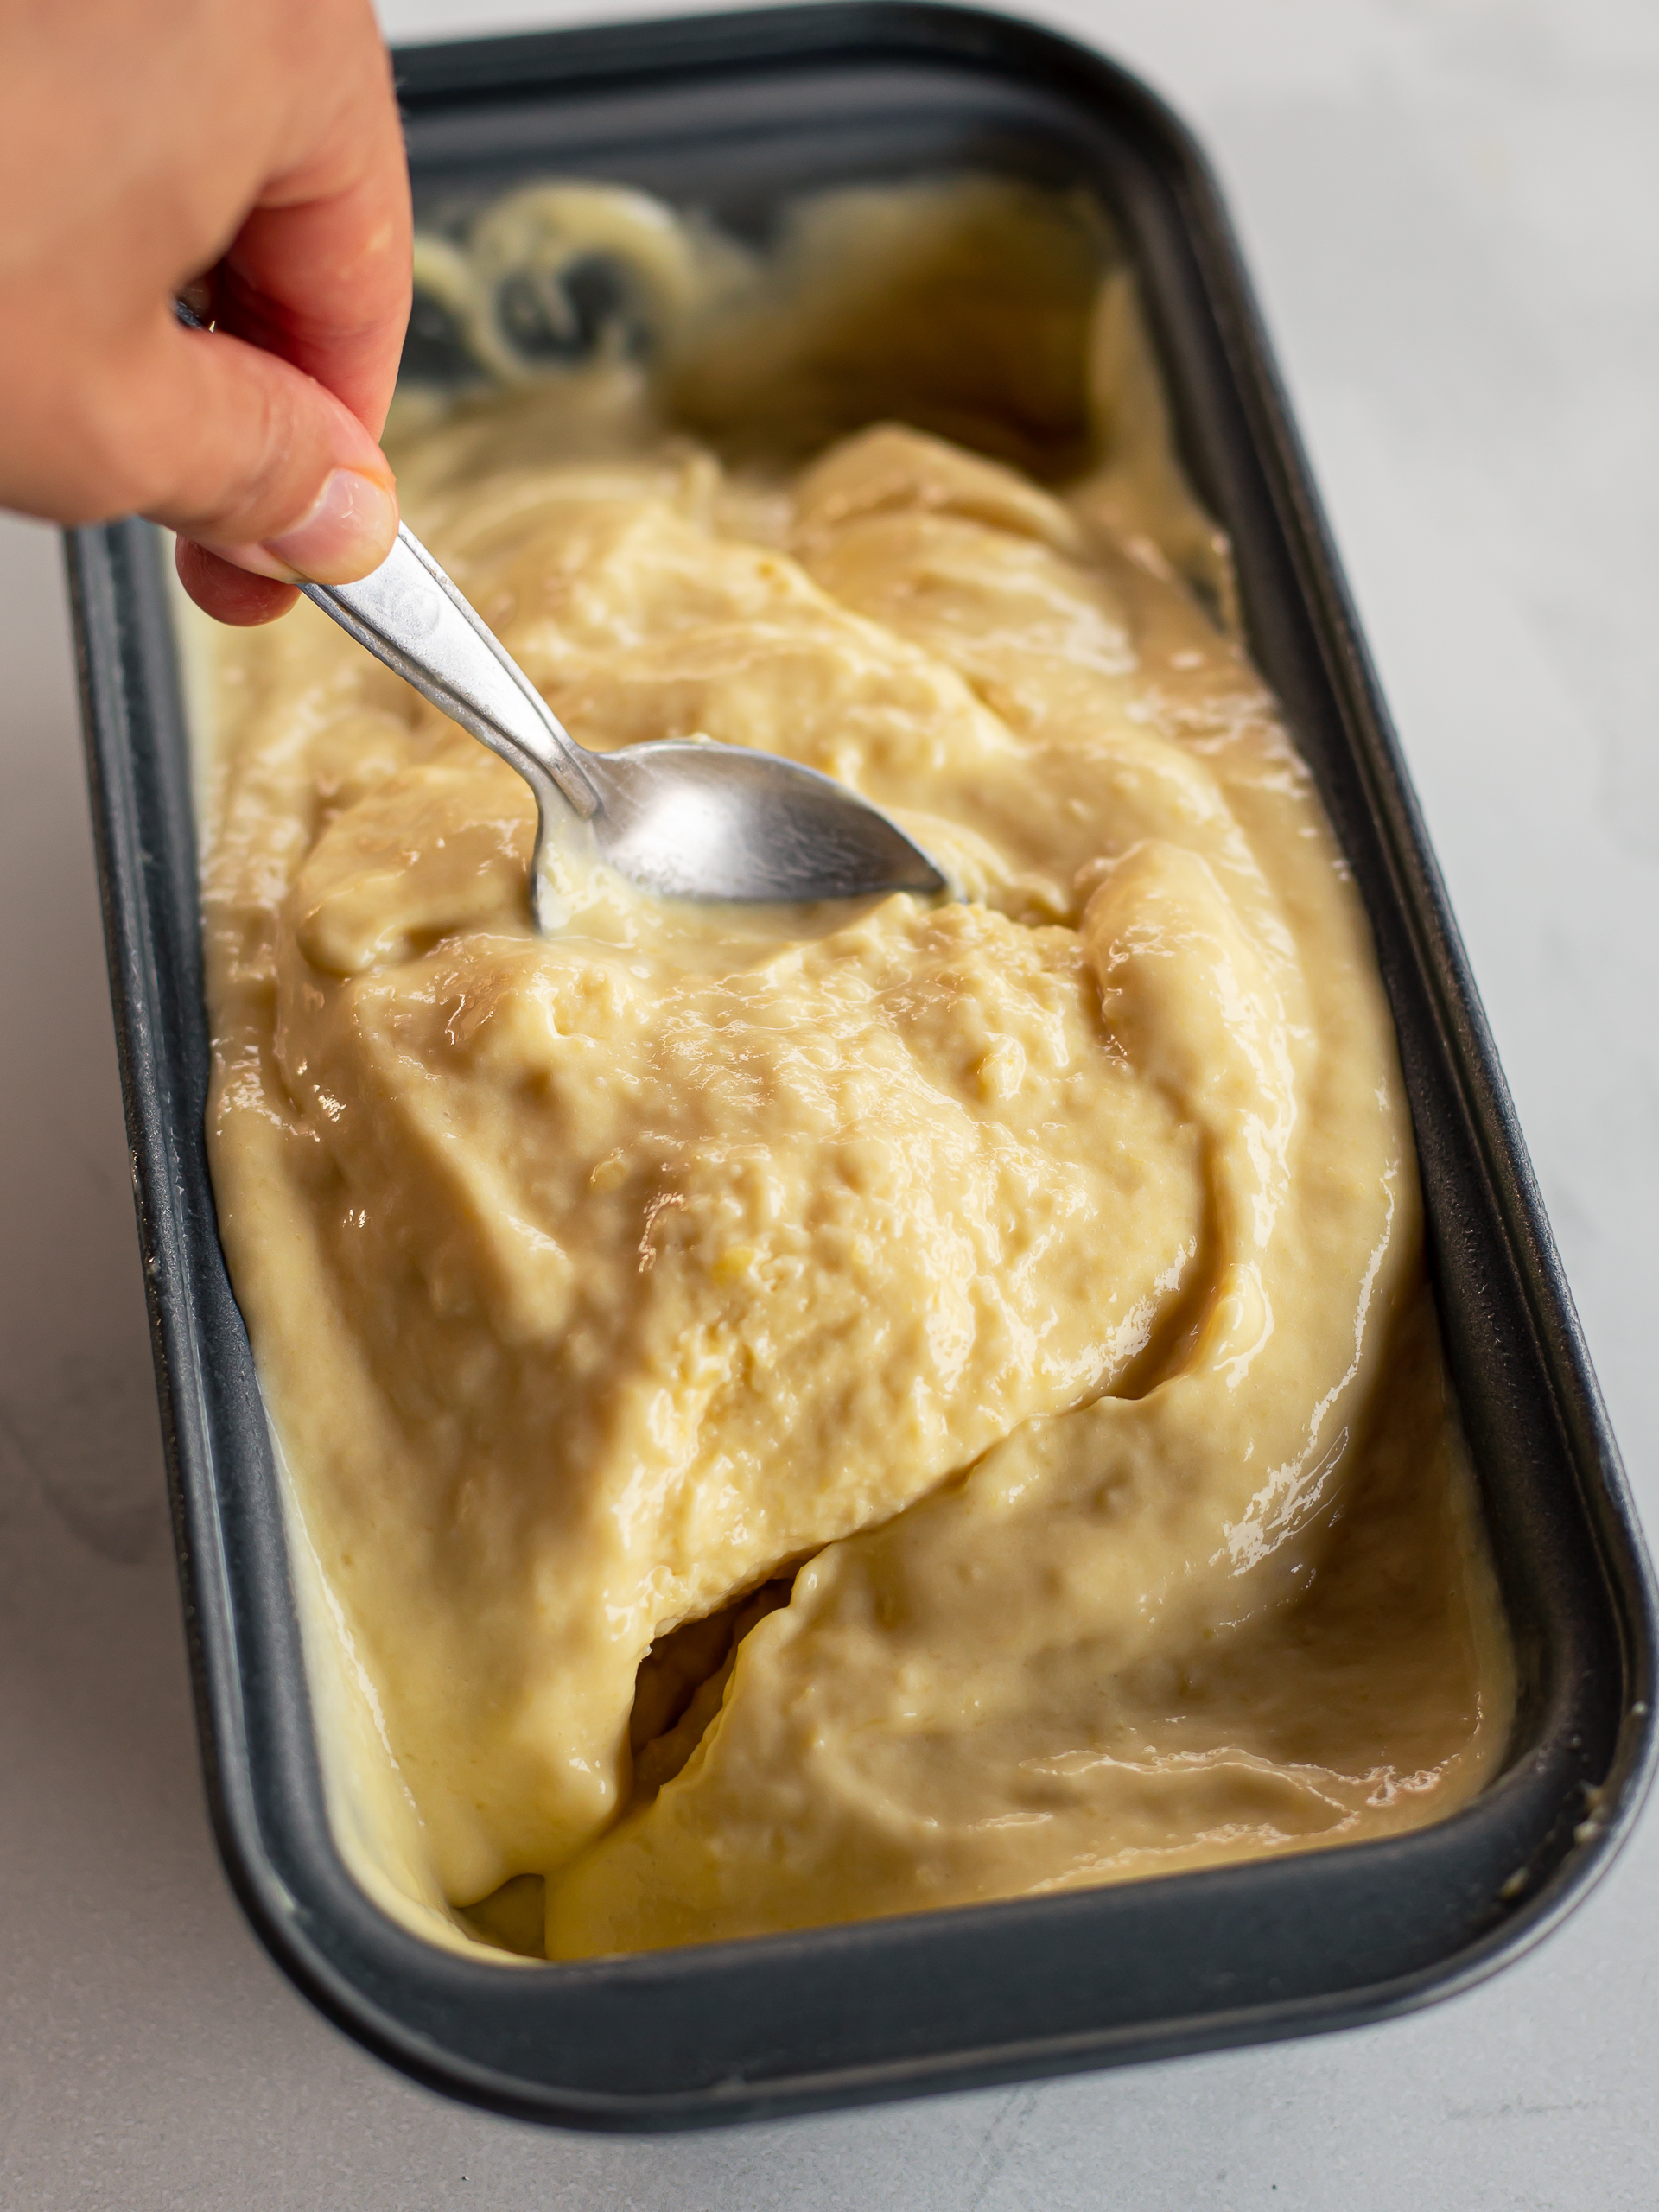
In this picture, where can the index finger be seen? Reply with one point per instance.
(319, 273)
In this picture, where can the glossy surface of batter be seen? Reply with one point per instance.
(798, 1418)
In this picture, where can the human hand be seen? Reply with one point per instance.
(252, 143)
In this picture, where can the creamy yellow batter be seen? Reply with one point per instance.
(797, 1418)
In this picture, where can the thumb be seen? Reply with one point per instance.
(255, 461)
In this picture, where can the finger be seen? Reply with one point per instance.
(253, 460)
(319, 273)
(230, 594)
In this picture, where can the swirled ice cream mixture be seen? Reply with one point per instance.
(798, 1417)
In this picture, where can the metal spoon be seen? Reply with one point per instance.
(684, 817)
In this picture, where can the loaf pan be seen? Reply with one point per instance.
(736, 113)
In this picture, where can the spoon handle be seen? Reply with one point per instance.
(409, 615)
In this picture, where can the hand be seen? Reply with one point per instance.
(255, 143)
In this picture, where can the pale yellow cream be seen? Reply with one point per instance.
(797, 1417)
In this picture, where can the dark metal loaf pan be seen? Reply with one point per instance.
(736, 112)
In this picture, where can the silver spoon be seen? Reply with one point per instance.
(682, 817)
(686, 818)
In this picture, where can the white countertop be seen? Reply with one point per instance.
(1450, 208)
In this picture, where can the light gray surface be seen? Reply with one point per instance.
(1450, 208)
